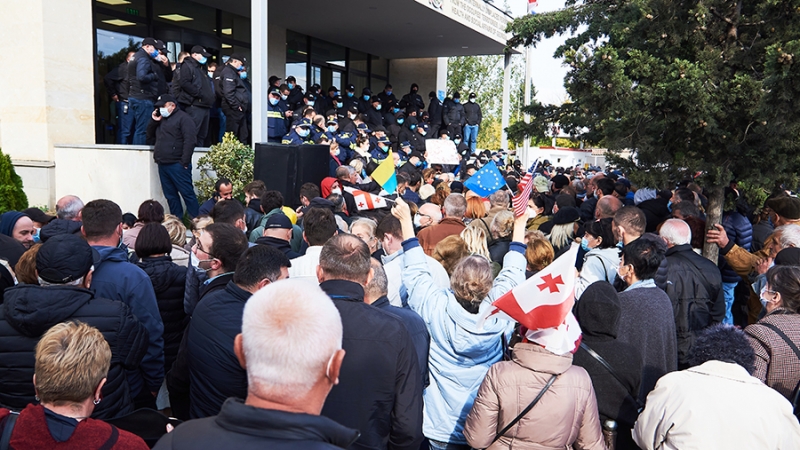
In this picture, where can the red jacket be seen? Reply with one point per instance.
(31, 432)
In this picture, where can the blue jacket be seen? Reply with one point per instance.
(461, 352)
(739, 231)
(276, 121)
(294, 139)
(115, 278)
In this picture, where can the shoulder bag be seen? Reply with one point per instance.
(526, 410)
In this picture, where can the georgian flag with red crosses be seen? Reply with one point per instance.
(366, 201)
(544, 302)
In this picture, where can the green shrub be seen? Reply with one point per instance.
(12, 197)
(229, 159)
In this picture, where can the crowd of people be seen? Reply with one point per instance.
(334, 326)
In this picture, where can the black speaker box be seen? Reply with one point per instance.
(286, 168)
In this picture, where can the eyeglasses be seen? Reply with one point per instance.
(197, 246)
(764, 289)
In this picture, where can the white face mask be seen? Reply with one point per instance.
(531, 213)
(336, 191)
(417, 221)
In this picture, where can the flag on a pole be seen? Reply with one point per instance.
(366, 201)
(544, 299)
(532, 4)
(486, 181)
(520, 201)
(385, 174)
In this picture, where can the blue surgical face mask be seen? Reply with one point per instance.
(366, 98)
(585, 245)
(419, 163)
(303, 132)
(350, 94)
(154, 54)
(210, 74)
(412, 127)
(339, 104)
(384, 148)
(400, 121)
(457, 100)
(472, 100)
(273, 101)
(620, 244)
(378, 108)
(243, 75)
(284, 97)
(291, 86)
(395, 110)
(311, 103)
(457, 141)
(422, 132)
(36, 238)
(332, 128)
(202, 60)
(389, 92)
(164, 112)
(669, 205)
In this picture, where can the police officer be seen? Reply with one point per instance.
(277, 121)
(174, 133)
(454, 115)
(348, 122)
(364, 102)
(473, 118)
(295, 97)
(386, 96)
(196, 95)
(349, 98)
(381, 148)
(116, 83)
(389, 113)
(464, 152)
(413, 98)
(374, 118)
(434, 113)
(144, 74)
(301, 134)
(309, 100)
(235, 96)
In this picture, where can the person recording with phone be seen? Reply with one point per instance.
(173, 134)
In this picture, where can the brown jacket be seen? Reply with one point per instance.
(743, 263)
(432, 235)
(565, 417)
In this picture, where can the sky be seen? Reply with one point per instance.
(548, 72)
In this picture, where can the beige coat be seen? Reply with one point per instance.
(565, 418)
(716, 405)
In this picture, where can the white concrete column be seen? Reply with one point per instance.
(441, 77)
(47, 87)
(260, 65)
(528, 81)
(504, 115)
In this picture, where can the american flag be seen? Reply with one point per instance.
(520, 201)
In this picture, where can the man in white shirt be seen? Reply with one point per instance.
(319, 225)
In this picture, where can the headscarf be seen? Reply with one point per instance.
(566, 338)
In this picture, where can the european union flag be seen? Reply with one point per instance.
(486, 181)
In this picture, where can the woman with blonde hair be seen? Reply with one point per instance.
(475, 238)
(177, 234)
(72, 361)
(449, 252)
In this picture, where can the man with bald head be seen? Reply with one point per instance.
(607, 207)
(427, 215)
(695, 287)
(455, 206)
(68, 218)
(385, 402)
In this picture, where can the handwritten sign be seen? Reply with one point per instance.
(440, 151)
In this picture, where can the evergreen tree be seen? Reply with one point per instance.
(12, 197)
(689, 86)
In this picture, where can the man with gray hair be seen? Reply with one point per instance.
(380, 393)
(455, 206)
(498, 201)
(375, 295)
(290, 372)
(694, 285)
(68, 218)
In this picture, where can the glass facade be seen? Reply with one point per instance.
(121, 25)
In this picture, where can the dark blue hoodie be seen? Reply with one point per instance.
(115, 278)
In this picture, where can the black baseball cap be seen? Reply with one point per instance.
(64, 258)
(148, 41)
(201, 50)
(333, 89)
(164, 99)
(239, 57)
(273, 79)
(161, 46)
(366, 91)
(275, 91)
(374, 99)
(350, 87)
(278, 221)
(291, 78)
(311, 96)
